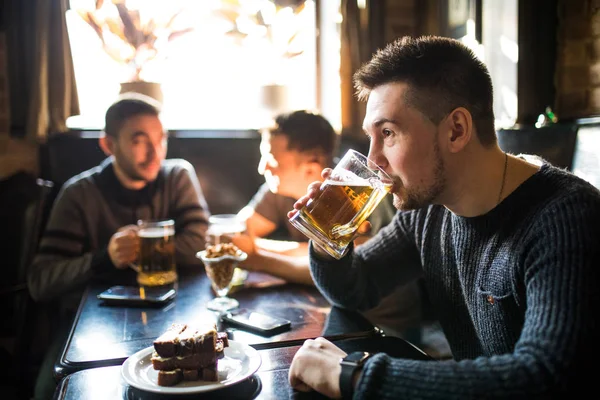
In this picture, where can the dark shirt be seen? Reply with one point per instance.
(515, 289)
(275, 207)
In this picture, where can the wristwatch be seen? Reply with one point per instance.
(350, 364)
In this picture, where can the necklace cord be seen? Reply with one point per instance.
(503, 178)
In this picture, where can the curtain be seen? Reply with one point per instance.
(361, 35)
(43, 92)
(352, 55)
(4, 103)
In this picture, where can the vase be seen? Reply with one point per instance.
(274, 99)
(151, 89)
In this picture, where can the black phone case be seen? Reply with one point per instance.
(135, 301)
(285, 325)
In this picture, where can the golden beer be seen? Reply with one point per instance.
(156, 262)
(347, 198)
(332, 219)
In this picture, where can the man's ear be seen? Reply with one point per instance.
(106, 144)
(458, 127)
(312, 169)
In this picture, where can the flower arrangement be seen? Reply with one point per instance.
(277, 33)
(132, 36)
(272, 22)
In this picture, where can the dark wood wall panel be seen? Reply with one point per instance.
(226, 167)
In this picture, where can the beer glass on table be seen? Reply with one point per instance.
(156, 260)
(348, 197)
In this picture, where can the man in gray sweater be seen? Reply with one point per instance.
(91, 235)
(91, 231)
(509, 247)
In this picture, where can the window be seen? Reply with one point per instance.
(501, 54)
(586, 159)
(214, 71)
(499, 48)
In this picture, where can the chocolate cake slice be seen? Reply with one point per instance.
(194, 340)
(186, 352)
(167, 343)
(171, 378)
(192, 361)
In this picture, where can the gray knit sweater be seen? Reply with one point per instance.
(516, 291)
(93, 205)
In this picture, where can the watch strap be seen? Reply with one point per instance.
(350, 364)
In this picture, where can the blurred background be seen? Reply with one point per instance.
(224, 68)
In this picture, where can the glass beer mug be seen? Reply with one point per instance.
(348, 197)
(156, 260)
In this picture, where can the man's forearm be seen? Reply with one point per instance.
(292, 269)
(284, 247)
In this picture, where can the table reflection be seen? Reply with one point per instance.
(106, 335)
(270, 382)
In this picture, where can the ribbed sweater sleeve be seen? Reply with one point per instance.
(61, 263)
(516, 291)
(190, 212)
(357, 284)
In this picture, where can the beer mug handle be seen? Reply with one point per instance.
(350, 227)
(134, 267)
(343, 230)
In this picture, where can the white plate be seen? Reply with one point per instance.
(239, 362)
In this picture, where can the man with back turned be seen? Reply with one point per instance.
(508, 245)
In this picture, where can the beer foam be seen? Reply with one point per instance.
(345, 176)
(225, 229)
(379, 184)
(354, 182)
(154, 233)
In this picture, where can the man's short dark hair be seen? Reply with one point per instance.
(442, 74)
(306, 132)
(126, 106)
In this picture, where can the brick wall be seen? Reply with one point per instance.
(401, 19)
(578, 58)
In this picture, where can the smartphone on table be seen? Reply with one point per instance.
(138, 295)
(256, 321)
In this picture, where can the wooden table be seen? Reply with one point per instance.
(270, 382)
(106, 335)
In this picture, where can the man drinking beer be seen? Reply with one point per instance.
(294, 151)
(508, 245)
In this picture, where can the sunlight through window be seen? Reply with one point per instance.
(213, 59)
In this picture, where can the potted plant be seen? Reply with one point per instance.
(133, 37)
(273, 30)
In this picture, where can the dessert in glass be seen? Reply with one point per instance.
(220, 261)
